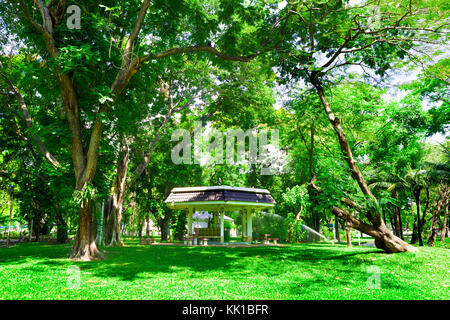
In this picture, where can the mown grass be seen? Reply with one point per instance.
(304, 271)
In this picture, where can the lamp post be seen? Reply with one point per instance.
(11, 186)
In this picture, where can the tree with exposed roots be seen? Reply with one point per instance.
(329, 36)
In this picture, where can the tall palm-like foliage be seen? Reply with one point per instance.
(416, 180)
(393, 184)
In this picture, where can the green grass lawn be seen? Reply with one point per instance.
(304, 271)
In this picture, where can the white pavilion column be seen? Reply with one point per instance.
(249, 224)
(244, 225)
(189, 220)
(222, 238)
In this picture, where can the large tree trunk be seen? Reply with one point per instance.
(84, 248)
(384, 239)
(85, 160)
(164, 226)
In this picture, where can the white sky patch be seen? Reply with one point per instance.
(352, 3)
(282, 5)
(437, 138)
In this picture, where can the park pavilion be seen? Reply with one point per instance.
(218, 200)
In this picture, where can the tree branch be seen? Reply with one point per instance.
(28, 17)
(137, 28)
(26, 115)
(140, 168)
(190, 49)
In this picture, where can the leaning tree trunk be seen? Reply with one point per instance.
(384, 239)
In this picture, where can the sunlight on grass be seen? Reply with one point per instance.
(305, 271)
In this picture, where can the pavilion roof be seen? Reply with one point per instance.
(217, 195)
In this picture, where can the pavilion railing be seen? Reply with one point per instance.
(208, 232)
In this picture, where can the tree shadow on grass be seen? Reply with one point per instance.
(34, 250)
(129, 263)
(133, 262)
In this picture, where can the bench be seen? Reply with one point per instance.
(204, 239)
(147, 241)
(188, 240)
(202, 235)
(274, 240)
(259, 239)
